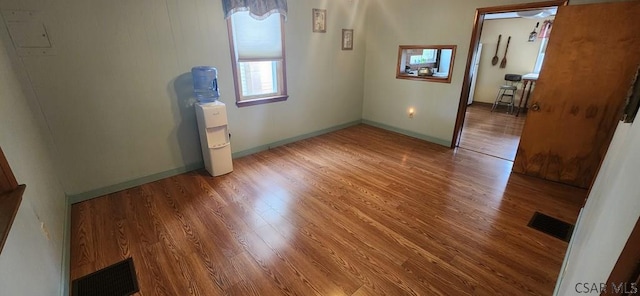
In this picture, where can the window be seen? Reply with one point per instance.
(427, 56)
(257, 52)
(541, 52)
(426, 62)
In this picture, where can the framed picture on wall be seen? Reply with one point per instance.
(347, 39)
(319, 20)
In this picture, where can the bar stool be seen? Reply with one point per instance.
(507, 92)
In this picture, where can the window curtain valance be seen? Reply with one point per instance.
(258, 9)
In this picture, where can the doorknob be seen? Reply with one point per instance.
(535, 107)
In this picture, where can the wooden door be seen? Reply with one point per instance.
(591, 59)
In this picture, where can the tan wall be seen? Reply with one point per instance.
(521, 57)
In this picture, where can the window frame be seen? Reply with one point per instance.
(242, 101)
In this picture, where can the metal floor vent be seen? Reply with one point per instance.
(551, 226)
(116, 280)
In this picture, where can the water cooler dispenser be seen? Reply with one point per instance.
(212, 122)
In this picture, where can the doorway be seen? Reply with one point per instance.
(511, 43)
(493, 134)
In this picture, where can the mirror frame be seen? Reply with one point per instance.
(426, 78)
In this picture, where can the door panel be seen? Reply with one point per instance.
(592, 56)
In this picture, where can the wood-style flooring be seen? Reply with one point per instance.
(494, 133)
(360, 211)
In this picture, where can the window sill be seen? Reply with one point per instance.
(424, 78)
(9, 204)
(246, 103)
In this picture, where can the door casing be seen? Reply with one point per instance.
(473, 47)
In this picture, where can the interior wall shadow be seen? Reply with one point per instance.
(186, 130)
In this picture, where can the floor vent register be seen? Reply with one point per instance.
(116, 280)
(551, 226)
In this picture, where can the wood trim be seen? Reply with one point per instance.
(473, 47)
(427, 78)
(427, 46)
(466, 83)
(523, 6)
(260, 101)
(9, 205)
(8, 181)
(10, 198)
(633, 102)
(627, 268)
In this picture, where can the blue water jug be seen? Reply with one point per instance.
(205, 83)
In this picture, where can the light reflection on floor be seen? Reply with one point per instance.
(275, 230)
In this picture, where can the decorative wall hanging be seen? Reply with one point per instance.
(347, 39)
(496, 59)
(503, 63)
(545, 31)
(319, 20)
(534, 34)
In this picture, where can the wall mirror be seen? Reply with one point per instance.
(426, 62)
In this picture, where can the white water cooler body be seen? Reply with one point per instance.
(214, 137)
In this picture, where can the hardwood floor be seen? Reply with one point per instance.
(493, 133)
(360, 211)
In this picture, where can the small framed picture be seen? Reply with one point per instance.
(319, 20)
(347, 39)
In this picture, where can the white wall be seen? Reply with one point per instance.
(521, 57)
(117, 95)
(611, 211)
(30, 263)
